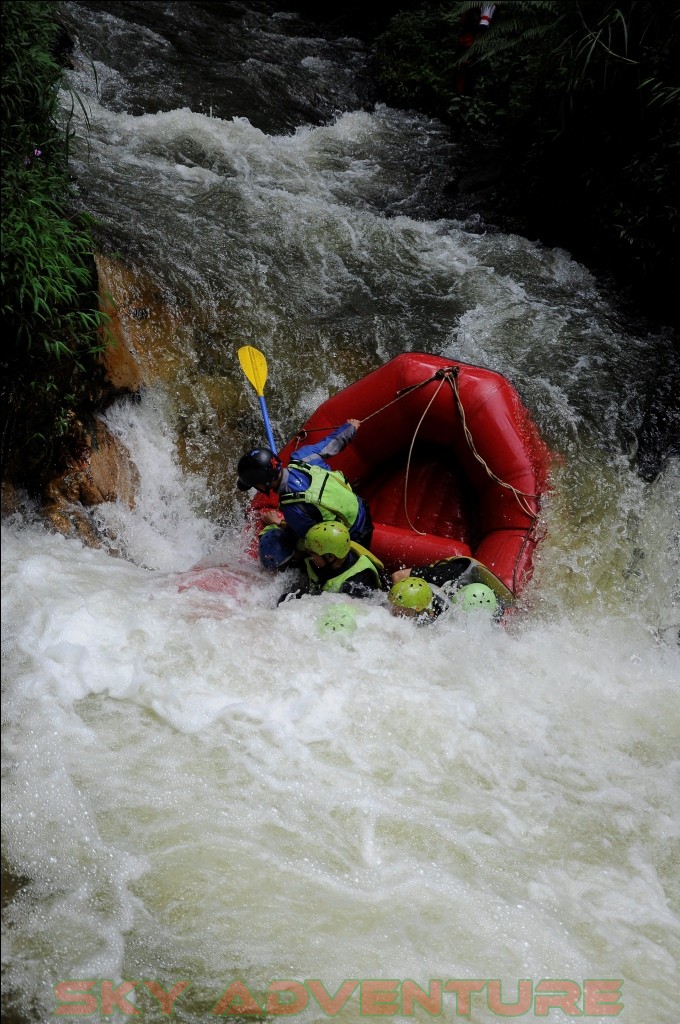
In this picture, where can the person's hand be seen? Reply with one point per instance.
(355, 423)
(487, 14)
(272, 517)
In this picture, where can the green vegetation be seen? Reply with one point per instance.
(53, 331)
(571, 111)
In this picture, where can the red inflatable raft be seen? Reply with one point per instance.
(448, 459)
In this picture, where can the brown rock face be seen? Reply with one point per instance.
(102, 471)
(144, 326)
(100, 467)
(151, 334)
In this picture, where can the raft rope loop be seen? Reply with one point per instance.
(519, 495)
(410, 452)
(450, 374)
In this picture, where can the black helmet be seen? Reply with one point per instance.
(261, 466)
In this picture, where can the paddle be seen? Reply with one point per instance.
(254, 365)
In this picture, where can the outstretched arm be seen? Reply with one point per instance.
(332, 444)
(486, 14)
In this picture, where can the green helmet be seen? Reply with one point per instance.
(477, 596)
(328, 538)
(340, 618)
(411, 593)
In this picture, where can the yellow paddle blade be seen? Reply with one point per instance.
(254, 365)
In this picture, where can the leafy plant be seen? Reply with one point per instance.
(53, 328)
(576, 106)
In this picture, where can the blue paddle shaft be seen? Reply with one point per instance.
(267, 425)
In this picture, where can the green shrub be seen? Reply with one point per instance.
(577, 107)
(53, 330)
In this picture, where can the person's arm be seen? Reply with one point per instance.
(332, 444)
(362, 584)
(304, 586)
(486, 14)
(446, 570)
(293, 595)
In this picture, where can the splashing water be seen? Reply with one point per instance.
(201, 786)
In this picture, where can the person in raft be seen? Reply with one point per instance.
(309, 490)
(416, 598)
(280, 549)
(336, 564)
(428, 591)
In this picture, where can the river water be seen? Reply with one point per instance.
(197, 786)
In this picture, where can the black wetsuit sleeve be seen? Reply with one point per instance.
(362, 584)
(445, 571)
(304, 587)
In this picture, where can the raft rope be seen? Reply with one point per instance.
(519, 495)
(450, 374)
(408, 461)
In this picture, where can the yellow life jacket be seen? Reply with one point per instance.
(366, 560)
(329, 492)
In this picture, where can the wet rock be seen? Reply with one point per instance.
(100, 470)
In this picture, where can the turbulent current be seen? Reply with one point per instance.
(209, 809)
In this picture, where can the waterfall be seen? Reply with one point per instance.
(198, 788)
